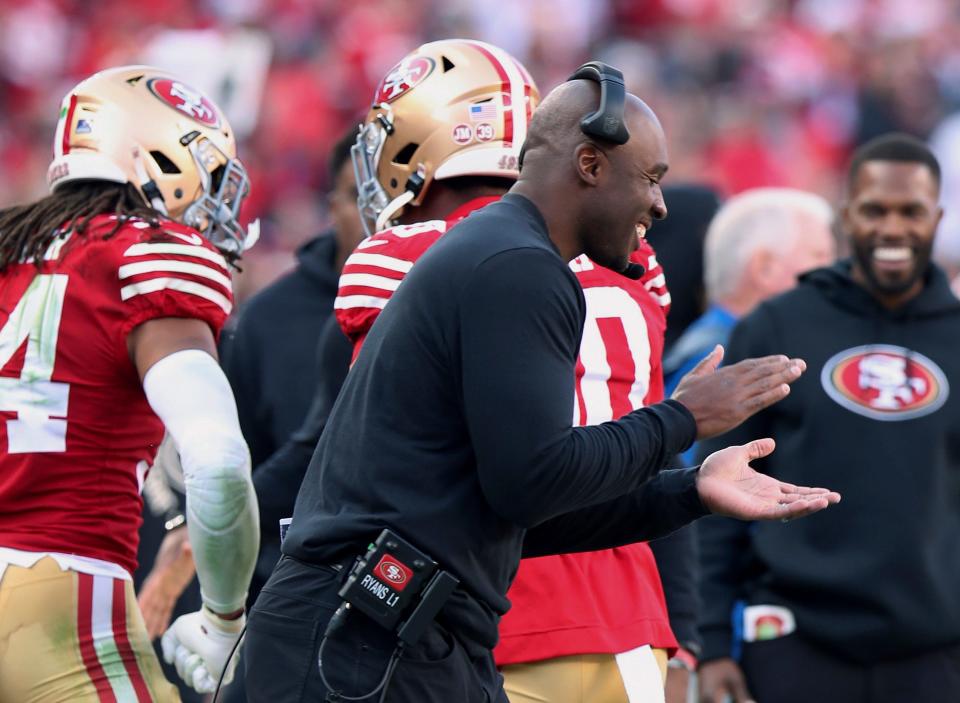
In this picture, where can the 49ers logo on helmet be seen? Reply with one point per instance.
(190, 102)
(405, 75)
(393, 572)
(885, 382)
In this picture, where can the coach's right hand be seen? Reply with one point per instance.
(720, 399)
(721, 678)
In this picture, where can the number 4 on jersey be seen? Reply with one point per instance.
(40, 404)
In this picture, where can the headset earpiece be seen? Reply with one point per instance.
(607, 122)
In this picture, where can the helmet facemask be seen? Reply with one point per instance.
(373, 202)
(225, 184)
(365, 154)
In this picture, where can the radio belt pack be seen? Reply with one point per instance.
(397, 586)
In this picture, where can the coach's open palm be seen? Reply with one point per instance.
(729, 486)
(720, 399)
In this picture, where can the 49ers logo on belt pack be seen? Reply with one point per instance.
(885, 382)
(406, 75)
(393, 572)
(190, 102)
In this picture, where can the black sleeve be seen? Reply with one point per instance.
(725, 542)
(334, 352)
(277, 480)
(240, 359)
(520, 327)
(661, 505)
(677, 558)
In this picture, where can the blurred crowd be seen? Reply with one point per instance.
(753, 92)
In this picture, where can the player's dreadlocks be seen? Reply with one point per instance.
(27, 230)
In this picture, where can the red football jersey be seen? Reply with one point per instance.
(612, 599)
(76, 431)
(375, 269)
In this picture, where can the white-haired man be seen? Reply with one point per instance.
(757, 245)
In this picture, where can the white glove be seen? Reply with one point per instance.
(199, 644)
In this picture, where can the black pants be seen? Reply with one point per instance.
(283, 637)
(792, 670)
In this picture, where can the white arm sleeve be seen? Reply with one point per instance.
(190, 393)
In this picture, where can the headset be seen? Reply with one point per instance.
(606, 122)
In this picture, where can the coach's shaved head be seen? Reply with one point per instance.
(555, 126)
(595, 195)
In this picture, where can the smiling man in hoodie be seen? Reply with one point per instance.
(862, 603)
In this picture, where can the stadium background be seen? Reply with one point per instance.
(752, 92)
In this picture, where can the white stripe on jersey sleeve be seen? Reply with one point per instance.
(656, 282)
(174, 266)
(369, 280)
(178, 284)
(197, 252)
(368, 243)
(664, 299)
(345, 302)
(381, 260)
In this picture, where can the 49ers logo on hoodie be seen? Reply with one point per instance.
(885, 382)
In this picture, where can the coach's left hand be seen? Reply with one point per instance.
(729, 486)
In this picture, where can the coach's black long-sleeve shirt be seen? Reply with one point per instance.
(454, 427)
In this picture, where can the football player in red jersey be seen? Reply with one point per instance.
(442, 139)
(112, 291)
(458, 132)
(610, 638)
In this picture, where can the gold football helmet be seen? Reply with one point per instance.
(451, 108)
(143, 126)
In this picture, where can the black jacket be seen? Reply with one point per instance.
(453, 427)
(277, 480)
(269, 350)
(873, 417)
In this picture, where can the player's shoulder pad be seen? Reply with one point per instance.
(392, 252)
(163, 239)
(136, 230)
(404, 237)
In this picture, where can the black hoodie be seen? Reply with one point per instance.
(873, 417)
(269, 350)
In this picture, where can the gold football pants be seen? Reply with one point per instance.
(67, 636)
(583, 678)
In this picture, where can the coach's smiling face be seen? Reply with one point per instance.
(625, 195)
